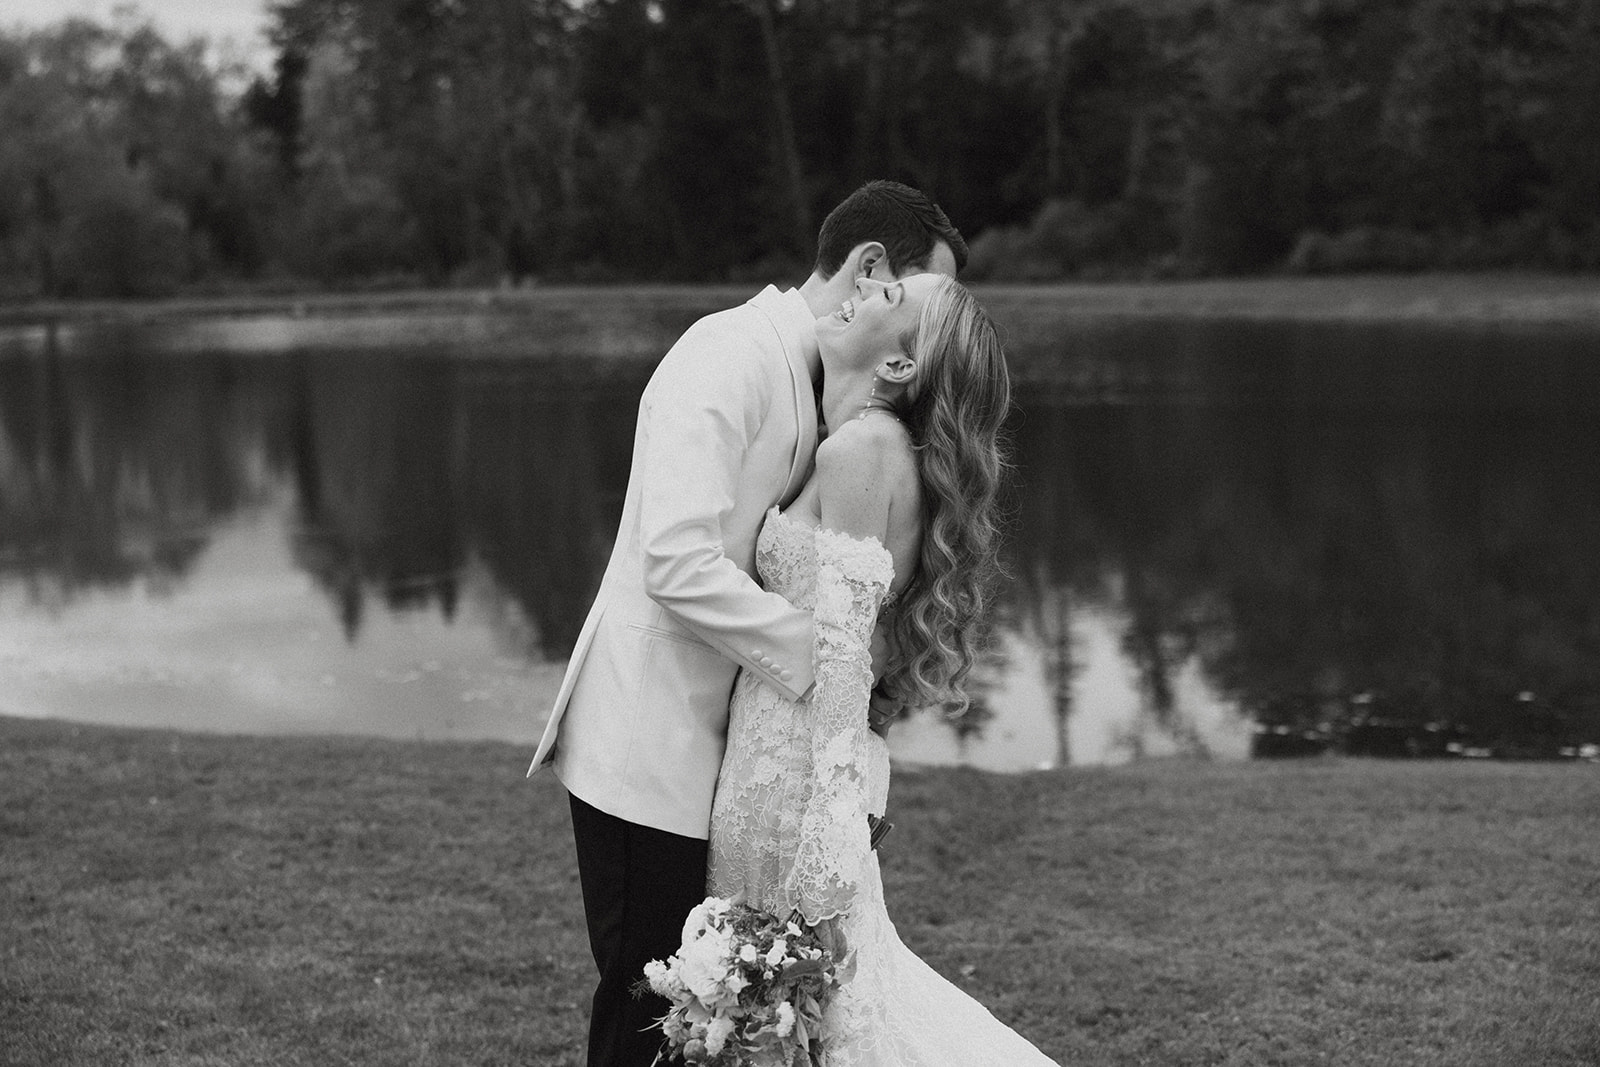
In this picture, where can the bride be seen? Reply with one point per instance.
(898, 520)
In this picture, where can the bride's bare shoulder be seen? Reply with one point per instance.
(864, 470)
(879, 439)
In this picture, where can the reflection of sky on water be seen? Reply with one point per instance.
(1110, 721)
(246, 642)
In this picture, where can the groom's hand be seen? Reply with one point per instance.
(880, 652)
(882, 711)
(884, 708)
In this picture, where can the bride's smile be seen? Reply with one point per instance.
(874, 322)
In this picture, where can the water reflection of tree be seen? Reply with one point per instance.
(1053, 551)
(404, 472)
(544, 475)
(1305, 555)
(1436, 563)
(114, 469)
(378, 507)
(402, 468)
(1100, 489)
(1432, 559)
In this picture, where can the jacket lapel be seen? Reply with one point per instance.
(792, 323)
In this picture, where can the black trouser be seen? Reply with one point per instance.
(638, 885)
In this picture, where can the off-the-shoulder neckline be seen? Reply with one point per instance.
(819, 528)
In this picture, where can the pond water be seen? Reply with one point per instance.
(1229, 537)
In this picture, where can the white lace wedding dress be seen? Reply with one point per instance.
(789, 828)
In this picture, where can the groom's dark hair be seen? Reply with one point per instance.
(904, 220)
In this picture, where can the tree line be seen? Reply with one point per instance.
(471, 142)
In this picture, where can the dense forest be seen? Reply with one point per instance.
(481, 142)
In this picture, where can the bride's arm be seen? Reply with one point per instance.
(854, 485)
(854, 572)
(857, 490)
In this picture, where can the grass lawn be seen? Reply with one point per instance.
(182, 899)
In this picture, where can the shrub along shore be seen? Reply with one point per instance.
(173, 898)
(1487, 297)
(578, 330)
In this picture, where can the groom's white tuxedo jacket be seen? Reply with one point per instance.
(727, 428)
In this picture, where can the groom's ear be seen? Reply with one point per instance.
(870, 260)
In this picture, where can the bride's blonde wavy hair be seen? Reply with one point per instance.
(954, 411)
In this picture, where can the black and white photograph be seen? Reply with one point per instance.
(800, 533)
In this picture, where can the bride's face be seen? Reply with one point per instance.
(869, 326)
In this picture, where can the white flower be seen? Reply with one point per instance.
(775, 954)
(717, 1034)
(656, 973)
(695, 923)
(785, 1019)
(747, 952)
(703, 964)
(794, 931)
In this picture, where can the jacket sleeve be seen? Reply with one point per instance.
(700, 413)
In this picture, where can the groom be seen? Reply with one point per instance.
(727, 427)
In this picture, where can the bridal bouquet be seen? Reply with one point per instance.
(746, 988)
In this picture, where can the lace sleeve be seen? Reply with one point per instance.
(853, 577)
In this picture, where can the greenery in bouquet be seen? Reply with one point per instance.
(747, 988)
